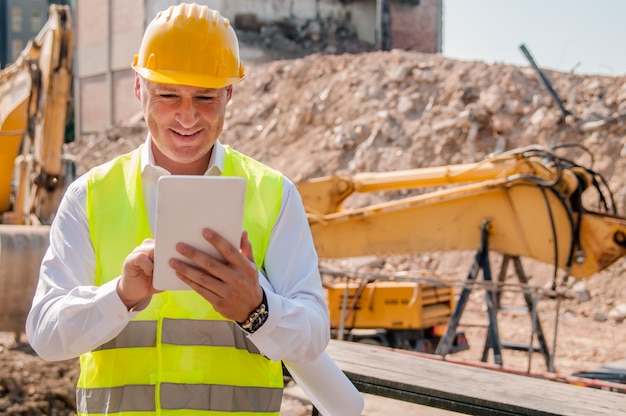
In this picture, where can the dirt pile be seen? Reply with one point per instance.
(383, 111)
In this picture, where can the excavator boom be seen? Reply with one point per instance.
(531, 199)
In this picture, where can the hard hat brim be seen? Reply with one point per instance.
(182, 78)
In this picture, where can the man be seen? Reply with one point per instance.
(212, 350)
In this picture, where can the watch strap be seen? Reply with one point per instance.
(257, 318)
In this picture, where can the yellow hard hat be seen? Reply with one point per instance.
(190, 44)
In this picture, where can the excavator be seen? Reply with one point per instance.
(524, 203)
(35, 93)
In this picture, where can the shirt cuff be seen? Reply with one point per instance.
(109, 301)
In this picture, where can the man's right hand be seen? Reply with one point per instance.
(135, 285)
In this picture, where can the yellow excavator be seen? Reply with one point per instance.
(35, 95)
(525, 203)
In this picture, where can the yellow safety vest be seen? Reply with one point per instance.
(178, 353)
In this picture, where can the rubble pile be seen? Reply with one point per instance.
(380, 111)
(383, 111)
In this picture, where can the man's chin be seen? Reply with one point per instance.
(188, 157)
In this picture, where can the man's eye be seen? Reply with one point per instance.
(205, 98)
(167, 96)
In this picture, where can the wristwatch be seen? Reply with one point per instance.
(257, 318)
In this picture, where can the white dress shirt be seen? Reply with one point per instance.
(71, 316)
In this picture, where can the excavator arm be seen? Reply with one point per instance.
(532, 200)
(34, 172)
(35, 92)
(527, 203)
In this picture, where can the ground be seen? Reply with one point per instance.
(320, 114)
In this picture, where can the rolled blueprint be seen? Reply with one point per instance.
(328, 388)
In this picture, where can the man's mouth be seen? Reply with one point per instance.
(186, 134)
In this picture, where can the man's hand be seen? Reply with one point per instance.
(135, 286)
(231, 286)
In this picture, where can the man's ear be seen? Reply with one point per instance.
(229, 93)
(137, 86)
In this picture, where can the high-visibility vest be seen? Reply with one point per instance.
(178, 353)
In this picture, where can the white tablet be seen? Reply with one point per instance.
(186, 205)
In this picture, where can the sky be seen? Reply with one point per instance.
(579, 36)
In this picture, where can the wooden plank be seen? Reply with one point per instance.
(399, 374)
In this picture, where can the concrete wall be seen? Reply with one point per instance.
(363, 15)
(362, 12)
(267, 10)
(417, 27)
(108, 34)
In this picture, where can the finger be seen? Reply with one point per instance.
(145, 263)
(203, 291)
(194, 273)
(230, 253)
(147, 248)
(202, 260)
(138, 263)
(246, 246)
(209, 287)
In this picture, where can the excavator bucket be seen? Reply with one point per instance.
(21, 251)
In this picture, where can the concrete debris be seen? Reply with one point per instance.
(618, 314)
(581, 293)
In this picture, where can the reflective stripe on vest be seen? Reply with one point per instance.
(178, 353)
(181, 332)
(195, 397)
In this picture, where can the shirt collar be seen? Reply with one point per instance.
(216, 163)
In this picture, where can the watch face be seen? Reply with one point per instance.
(256, 319)
(261, 318)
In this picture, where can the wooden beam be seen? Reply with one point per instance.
(403, 375)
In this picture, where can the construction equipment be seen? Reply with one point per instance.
(529, 202)
(34, 101)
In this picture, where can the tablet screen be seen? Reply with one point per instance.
(185, 206)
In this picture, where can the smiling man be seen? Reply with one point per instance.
(213, 350)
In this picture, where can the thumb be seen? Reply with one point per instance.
(246, 246)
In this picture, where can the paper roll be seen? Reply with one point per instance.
(328, 388)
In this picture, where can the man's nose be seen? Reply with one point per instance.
(187, 114)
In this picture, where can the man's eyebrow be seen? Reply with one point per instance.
(169, 88)
(208, 91)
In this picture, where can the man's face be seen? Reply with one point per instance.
(184, 123)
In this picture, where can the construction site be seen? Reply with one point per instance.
(464, 274)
